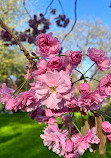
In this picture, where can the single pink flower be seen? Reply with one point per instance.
(47, 45)
(84, 88)
(24, 101)
(95, 54)
(75, 57)
(85, 141)
(53, 89)
(54, 139)
(54, 63)
(99, 57)
(91, 101)
(104, 64)
(106, 126)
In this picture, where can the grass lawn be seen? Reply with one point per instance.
(20, 138)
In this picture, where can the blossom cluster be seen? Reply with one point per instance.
(51, 95)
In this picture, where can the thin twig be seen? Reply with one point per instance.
(75, 14)
(76, 81)
(26, 9)
(79, 71)
(77, 128)
(61, 7)
(22, 48)
(48, 7)
(89, 68)
(92, 79)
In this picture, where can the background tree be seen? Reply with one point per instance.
(12, 61)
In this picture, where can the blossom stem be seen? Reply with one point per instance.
(63, 127)
(70, 130)
(77, 128)
(28, 77)
(19, 87)
(89, 68)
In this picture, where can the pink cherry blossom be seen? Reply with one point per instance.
(54, 63)
(99, 57)
(75, 57)
(54, 139)
(95, 54)
(105, 85)
(91, 101)
(47, 45)
(84, 142)
(104, 64)
(106, 126)
(84, 88)
(25, 101)
(53, 89)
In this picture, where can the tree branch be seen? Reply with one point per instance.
(26, 9)
(48, 7)
(22, 48)
(61, 7)
(75, 14)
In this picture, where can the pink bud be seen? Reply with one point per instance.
(84, 88)
(106, 126)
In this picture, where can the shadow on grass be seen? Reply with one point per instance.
(9, 137)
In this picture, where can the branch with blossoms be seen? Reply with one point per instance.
(51, 96)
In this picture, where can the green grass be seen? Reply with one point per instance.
(20, 138)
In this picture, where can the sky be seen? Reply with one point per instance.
(86, 9)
